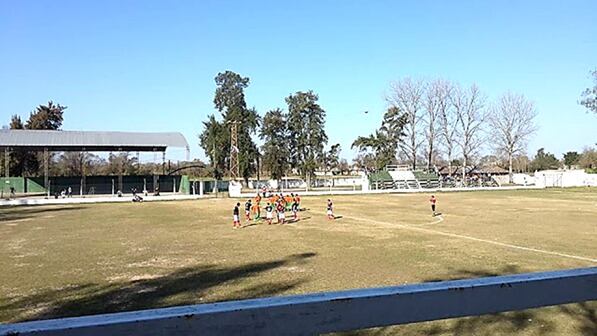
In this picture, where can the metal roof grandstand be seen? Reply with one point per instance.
(91, 141)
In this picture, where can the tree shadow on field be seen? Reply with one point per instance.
(25, 212)
(181, 287)
(530, 321)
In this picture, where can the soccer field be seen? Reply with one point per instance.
(86, 259)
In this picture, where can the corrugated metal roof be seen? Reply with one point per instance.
(90, 139)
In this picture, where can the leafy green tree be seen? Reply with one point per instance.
(19, 158)
(307, 137)
(121, 163)
(544, 160)
(72, 164)
(365, 161)
(276, 153)
(571, 158)
(214, 142)
(384, 142)
(331, 158)
(589, 95)
(343, 167)
(46, 117)
(229, 100)
(16, 122)
(588, 159)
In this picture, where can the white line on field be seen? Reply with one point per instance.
(437, 221)
(454, 235)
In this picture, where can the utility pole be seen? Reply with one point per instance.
(234, 168)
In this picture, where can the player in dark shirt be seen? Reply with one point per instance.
(330, 210)
(269, 213)
(235, 216)
(248, 209)
(295, 208)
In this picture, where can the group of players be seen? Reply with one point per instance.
(276, 203)
(279, 204)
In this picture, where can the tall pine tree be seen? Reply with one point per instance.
(229, 100)
(275, 148)
(306, 122)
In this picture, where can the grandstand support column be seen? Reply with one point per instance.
(164, 163)
(46, 169)
(155, 171)
(120, 169)
(6, 162)
(83, 173)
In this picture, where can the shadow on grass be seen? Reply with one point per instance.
(25, 212)
(182, 287)
(529, 322)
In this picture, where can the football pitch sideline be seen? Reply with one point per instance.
(87, 259)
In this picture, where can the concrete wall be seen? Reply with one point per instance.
(565, 178)
(523, 179)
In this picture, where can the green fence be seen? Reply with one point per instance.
(13, 182)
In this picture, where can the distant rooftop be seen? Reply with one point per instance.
(91, 140)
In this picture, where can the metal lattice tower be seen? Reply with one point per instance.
(234, 168)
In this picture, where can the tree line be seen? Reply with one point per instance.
(427, 123)
(294, 141)
(437, 122)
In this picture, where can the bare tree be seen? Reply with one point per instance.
(436, 104)
(407, 96)
(511, 122)
(448, 123)
(469, 107)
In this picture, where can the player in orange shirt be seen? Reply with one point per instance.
(432, 201)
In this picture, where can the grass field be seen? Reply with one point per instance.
(88, 259)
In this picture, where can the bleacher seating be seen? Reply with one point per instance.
(381, 180)
(404, 179)
(401, 184)
(427, 179)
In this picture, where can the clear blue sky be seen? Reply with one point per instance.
(149, 65)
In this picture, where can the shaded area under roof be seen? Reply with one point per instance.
(91, 140)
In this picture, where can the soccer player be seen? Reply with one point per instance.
(295, 208)
(257, 207)
(269, 213)
(330, 210)
(432, 200)
(235, 216)
(281, 215)
(248, 209)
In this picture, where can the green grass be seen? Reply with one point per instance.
(89, 259)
